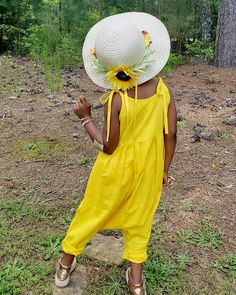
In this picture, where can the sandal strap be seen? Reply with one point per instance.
(66, 267)
(135, 285)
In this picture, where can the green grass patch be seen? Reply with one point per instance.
(85, 161)
(184, 259)
(17, 273)
(163, 275)
(227, 265)
(110, 280)
(30, 244)
(180, 125)
(157, 233)
(41, 150)
(187, 206)
(51, 247)
(205, 237)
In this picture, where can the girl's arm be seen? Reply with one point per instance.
(83, 109)
(170, 138)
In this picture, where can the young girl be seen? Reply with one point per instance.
(124, 53)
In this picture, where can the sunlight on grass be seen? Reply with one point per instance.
(41, 150)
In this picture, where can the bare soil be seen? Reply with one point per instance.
(203, 171)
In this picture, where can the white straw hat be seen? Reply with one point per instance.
(134, 42)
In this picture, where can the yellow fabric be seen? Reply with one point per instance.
(124, 188)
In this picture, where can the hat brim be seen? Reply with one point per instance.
(144, 22)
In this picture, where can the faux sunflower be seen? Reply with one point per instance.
(122, 78)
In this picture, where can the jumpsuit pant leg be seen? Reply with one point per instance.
(100, 203)
(136, 243)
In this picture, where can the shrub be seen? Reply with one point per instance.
(173, 61)
(197, 51)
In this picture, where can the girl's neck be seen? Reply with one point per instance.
(145, 90)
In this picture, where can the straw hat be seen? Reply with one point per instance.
(125, 50)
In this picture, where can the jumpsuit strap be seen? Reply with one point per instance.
(107, 98)
(163, 90)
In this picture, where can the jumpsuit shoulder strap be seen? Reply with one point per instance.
(107, 98)
(164, 91)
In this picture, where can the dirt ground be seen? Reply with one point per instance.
(43, 145)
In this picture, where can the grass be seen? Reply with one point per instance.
(41, 150)
(227, 265)
(85, 161)
(30, 243)
(157, 233)
(187, 206)
(205, 237)
(180, 125)
(27, 266)
(184, 259)
(17, 272)
(163, 275)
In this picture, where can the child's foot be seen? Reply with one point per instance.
(62, 275)
(136, 289)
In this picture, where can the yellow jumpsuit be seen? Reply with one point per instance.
(124, 188)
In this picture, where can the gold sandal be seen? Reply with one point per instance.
(136, 289)
(62, 275)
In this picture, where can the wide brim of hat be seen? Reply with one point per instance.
(144, 22)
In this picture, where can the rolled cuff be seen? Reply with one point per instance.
(135, 256)
(70, 249)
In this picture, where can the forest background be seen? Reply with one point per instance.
(53, 31)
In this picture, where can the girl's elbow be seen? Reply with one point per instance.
(108, 150)
(172, 135)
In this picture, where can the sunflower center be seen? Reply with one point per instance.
(122, 76)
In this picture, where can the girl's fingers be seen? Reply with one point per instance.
(82, 99)
(76, 106)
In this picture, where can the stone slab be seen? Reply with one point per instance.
(157, 219)
(77, 285)
(106, 248)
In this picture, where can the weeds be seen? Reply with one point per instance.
(180, 125)
(163, 276)
(65, 220)
(108, 281)
(16, 274)
(50, 248)
(206, 237)
(85, 161)
(186, 236)
(188, 207)
(227, 265)
(184, 259)
(165, 208)
(157, 233)
(41, 150)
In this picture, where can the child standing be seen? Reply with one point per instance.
(124, 53)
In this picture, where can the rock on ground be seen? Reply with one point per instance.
(106, 248)
(77, 285)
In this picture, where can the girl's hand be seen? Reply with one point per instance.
(82, 109)
(165, 181)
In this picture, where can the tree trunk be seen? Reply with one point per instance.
(59, 16)
(206, 23)
(143, 5)
(226, 35)
(101, 8)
